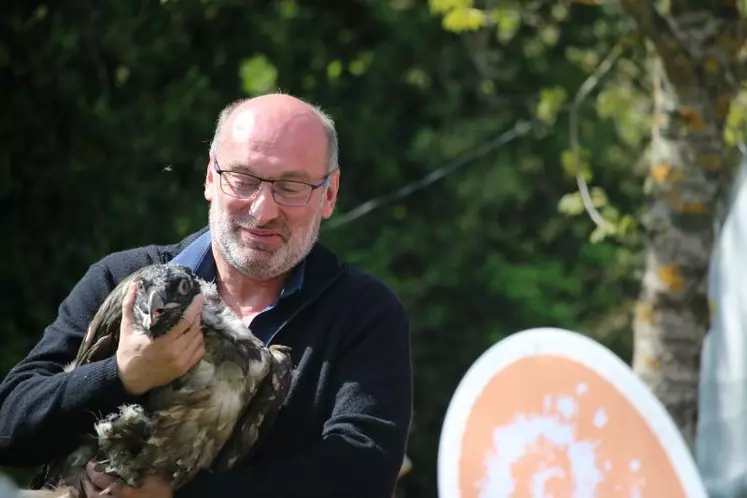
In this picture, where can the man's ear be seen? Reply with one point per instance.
(330, 194)
(209, 176)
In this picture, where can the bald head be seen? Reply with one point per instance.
(274, 119)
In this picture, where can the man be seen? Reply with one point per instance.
(272, 177)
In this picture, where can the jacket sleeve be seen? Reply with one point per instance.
(363, 442)
(44, 409)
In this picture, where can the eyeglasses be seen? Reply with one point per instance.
(285, 192)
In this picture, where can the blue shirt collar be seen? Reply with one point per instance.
(198, 256)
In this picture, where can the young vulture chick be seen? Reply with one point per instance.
(210, 418)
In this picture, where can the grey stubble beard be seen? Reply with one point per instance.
(224, 228)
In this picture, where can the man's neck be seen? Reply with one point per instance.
(246, 296)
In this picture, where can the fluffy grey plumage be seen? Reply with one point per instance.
(211, 417)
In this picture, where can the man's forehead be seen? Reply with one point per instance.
(275, 132)
(287, 156)
(242, 126)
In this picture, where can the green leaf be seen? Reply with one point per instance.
(461, 20)
(507, 19)
(549, 35)
(571, 204)
(550, 103)
(334, 70)
(257, 75)
(736, 122)
(445, 6)
(598, 197)
(626, 225)
(360, 64)
(577, 163)
(598, 235)
(288, 9)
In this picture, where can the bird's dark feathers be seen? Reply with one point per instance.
(210, 418)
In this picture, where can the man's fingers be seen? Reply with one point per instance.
(198, 353)
(196, 341)
(97, 483)
(195, 307)
(127, 303)
(191, 316)
(120, 490)
(90, 490)
(182, 340)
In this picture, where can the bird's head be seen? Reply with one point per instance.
(164, 291)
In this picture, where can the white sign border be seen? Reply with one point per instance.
(574, 346)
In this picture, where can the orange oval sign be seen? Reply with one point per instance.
(551, 413)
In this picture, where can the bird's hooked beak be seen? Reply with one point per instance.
(155, 309)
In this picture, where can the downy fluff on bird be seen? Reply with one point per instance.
(210, 418)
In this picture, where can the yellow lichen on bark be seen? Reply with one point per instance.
(729, 41)
(650, 363)
(674, 201)
(684, 65)
(663, 172)
(644, 312)
(679, 206)
(694, 208)
(710, 65)
(692, 119)
(671, 277)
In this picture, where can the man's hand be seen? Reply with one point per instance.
(144, 363)
(95, 483)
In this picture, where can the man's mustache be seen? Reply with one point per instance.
(251, 223)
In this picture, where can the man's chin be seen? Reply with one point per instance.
(264, 244)
(252, 260)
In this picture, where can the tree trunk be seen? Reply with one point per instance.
(694, 59)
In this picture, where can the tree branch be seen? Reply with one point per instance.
(583, 91)
(652, 25)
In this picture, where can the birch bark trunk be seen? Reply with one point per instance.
(694, 55)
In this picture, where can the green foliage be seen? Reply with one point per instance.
(550, 104)
(110, 111)
(258, 75)
(572, 204)
(736, 127)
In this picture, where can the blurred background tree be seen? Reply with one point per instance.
(674, 84)
(109, 109)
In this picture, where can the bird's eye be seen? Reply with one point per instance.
(183, 287)
(140, 285)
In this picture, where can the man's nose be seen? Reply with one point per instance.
(263, 207)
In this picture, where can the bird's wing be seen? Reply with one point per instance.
(99, 342)
(102, 335)
(259, 415)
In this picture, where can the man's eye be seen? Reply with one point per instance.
(243, 183)
(289, 187)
